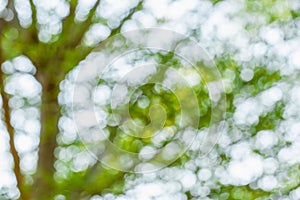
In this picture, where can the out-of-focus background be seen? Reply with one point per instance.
(255, 44)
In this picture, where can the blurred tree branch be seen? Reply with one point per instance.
(6, 109)
(10, 130)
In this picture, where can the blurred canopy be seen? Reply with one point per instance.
(45, 44)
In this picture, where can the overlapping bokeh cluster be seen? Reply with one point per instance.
(255, 46)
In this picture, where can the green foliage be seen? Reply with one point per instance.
(271, 119)
(238, 193)
(274, 10)
(215, 1)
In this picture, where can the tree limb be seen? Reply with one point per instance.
(33, 27)
(14, 22)
(133, 10)
(6, 108)
(33, 15)
(73, 34)
(10, 130)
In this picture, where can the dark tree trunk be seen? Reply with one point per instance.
(44, 187)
